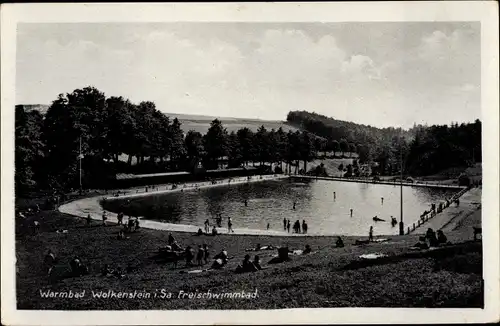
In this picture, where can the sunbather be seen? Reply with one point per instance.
(246, 266)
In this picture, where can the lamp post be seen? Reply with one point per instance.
(401, 224)
(80, 157)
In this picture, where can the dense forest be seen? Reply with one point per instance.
(106, 129)
(424, 150)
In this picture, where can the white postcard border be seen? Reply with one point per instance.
(486, 12)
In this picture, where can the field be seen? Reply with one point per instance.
(330, 277)
(202, 123)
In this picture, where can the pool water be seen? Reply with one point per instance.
(272, 201)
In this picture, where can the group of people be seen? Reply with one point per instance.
(193, 258)
(77, 267)
(132, 224)
(218, 221)
(201, 256)
(432, 239)
(296, 226)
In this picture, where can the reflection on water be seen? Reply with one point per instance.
(271, 201)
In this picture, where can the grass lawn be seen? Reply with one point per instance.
(330, 277)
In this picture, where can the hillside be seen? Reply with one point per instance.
(331, 128)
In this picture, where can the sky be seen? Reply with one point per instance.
(381, 74)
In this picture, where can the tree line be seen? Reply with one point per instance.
(437, 148)
(421, 150)
(107, 129)
(104, 128)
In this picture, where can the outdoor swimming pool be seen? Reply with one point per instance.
(271, 201)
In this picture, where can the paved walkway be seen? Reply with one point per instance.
(466, 215)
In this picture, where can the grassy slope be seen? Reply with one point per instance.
(331, 165)
(317, 280)
(474, 172)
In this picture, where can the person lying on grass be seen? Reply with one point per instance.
(108, 272)
(259, 248)
(421, 244)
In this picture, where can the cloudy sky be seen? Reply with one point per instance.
(383, 74)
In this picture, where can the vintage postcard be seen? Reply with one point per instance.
(250, 163)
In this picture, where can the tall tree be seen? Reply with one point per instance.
(364, 153)
(307, 149)
(120, 126)
(71, 117)
(263, 145)
(281, 145)
(335, 146)
(177, 151)
(235, 157)
(352, 149)
(29, 149)
(292, 156)
(194, 147)
(246, 144)
(344, 146)
(215, 144)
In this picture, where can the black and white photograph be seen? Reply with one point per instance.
(266, 165)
